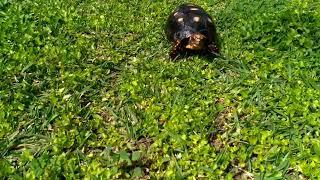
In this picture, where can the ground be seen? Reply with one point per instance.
(87, 90)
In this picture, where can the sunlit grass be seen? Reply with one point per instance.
(87, 90)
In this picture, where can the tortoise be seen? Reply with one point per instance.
(191, 29)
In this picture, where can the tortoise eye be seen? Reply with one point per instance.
(177, 35)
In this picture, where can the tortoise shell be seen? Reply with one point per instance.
(190, 28)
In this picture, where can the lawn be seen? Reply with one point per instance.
(87, 90)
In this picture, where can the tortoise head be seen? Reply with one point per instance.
(196, 41)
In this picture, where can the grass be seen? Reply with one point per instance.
(87, 91)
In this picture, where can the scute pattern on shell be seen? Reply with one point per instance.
(189, 19)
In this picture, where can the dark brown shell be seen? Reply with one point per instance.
(188, 19)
